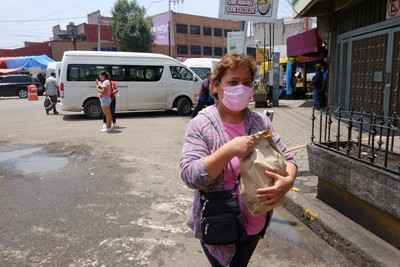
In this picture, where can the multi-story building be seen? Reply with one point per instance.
(184, 36)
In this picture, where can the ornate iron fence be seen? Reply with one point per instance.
(368, 137)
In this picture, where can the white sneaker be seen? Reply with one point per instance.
(104, 125)
(106, 130)
(115, 125)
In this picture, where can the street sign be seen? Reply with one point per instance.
(392, 9)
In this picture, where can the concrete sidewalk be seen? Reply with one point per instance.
(292, 120)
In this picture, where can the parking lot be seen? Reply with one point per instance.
(73, 196)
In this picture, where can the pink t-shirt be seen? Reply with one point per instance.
(107, 91)
(253, 224)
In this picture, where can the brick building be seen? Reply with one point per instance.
(191, 36)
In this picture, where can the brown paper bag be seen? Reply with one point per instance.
(266, 156)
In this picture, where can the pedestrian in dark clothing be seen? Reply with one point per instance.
(316, 82)
(51, 86)
(205, 98)
(324, 94)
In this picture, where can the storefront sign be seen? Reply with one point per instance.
(249, 10)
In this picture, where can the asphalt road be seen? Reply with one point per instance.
(73, 196)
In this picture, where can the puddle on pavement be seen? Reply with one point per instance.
(23, 160)
(10, 155)
(285, 227)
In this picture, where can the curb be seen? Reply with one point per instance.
(356, 243)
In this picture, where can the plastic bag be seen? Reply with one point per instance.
(46, 102)
(266, 156)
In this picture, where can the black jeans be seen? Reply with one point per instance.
(244, 251)
(53, 99)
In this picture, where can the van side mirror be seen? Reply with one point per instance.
(195, 78)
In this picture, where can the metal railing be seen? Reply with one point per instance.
(368, 137)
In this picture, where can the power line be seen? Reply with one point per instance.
(33, 20)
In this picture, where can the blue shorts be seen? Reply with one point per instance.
(105, 101)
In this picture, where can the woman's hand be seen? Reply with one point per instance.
(242, 146)
(239, 146)
(279, 186)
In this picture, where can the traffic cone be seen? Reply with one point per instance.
(32, 92)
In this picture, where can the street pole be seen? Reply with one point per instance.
(170, 17)
(169, 28)
(265, 60)
(73, 39)
(276, 74)
(98, 33)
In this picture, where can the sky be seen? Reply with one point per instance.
(27, 20)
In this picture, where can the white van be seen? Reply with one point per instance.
(146, 81)
(54, 67)
(201, 65)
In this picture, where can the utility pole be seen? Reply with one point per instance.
(170, 25)
(169, 28)
(98, 33)
(73, 38)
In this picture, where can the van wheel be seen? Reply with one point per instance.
(92, 109)
(23, 93)
(184, 106)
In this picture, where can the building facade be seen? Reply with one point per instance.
(363, 40)
(188, 36)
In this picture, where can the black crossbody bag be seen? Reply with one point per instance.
(221, 218)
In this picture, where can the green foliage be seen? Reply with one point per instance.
(260, 90)
(130, 27)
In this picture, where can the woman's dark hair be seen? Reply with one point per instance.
(105, 73)
(232, 61)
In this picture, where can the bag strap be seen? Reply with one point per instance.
(225, 194)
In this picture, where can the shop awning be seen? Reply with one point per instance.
(304, 43)
(7, 71)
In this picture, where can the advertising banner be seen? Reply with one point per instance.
(249, 10)
(160, 29)
(235, 42)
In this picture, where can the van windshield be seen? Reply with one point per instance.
(202, 72)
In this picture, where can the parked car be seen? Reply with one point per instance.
(17, 85)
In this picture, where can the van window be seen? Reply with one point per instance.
(144, 73)
(201, 71)
(90, 72)
(181, 73)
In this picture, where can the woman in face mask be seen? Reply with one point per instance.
(215, 140)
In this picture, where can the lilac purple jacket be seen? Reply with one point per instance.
(204, 135)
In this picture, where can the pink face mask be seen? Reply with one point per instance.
(236, 98)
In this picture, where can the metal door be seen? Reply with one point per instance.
(367, 74)
(393, 80)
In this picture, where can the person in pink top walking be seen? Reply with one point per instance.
(104, 89)
(215, 140)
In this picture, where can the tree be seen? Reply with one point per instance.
(130, 27)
